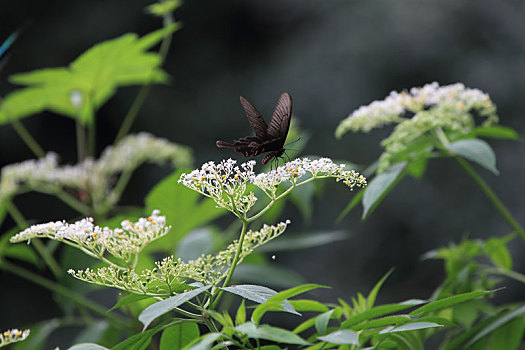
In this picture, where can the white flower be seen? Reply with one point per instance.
(224, 182)
(430, 96)
(123, 243)
(12, 336)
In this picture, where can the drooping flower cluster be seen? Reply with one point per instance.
(298, 168)
(419, 112)
(171, 275)
(225, 183)
(12, 336)
(91, 177)
(123, 243)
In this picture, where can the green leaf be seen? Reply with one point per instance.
(128, 299)
(138, 341)
(94, 76)
(496, 249)
(410, 327)
(383, 321)
(308, 305)
(509, 336)
(380, 186)
(258, 294)
(204, 342)
(321, 321)
(497, 132)
(477, 151)
(273, 303)
(356, 199)
(342, 336)
(270, 333)
(379, 311)
(183, 208)
(416, 168)
(240, 316)
(87, 346)
(275, 275)
(163, 8)
(178, 336)
(448, 302)
(160, 308)
(153, 38)
(303, 241)
(498, 322)
(371, 300)
(195, 243)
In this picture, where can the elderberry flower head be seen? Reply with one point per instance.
(12, 336)
(454, 97)
(123, 243)
(224, 182)
(91, 177)
(171, 274)
(297, 169)
(419, 112)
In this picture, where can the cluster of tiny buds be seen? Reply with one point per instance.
(13, 335)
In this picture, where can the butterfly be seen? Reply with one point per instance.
(268, 138)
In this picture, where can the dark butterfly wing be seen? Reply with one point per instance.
(280, 123)
(255, 118)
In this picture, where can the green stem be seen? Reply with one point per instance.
(81, 141)
(39, 246)
(27, 138)
(145, 89)
(233, 265)
(57, 288)
(492, 197)
(92, 134)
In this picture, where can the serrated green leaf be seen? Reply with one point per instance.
(240, 316)
(342, 336)
(448, 302)
(87, 346)
(379, 187)
(308, 305)
(477, 151)
(378, 311)
(270, 333)
(274, 302)
(176, 337)
(160, 308)
(321, 321)
(128, 299)
(497, 132)
(258, 294)
(410, 327)
(498, 322)
(204, 342)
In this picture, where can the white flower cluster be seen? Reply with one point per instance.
(91, 177)
(317, 168)
(224, 182)
(390, 110)
(171, 274)
(12, 336)
(123, 243)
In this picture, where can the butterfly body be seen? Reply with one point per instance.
(268, 138)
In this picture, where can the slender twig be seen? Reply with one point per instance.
(59, 289)
(48, 258)
(233, 265)
(81, 141)
(145, 89)
(27, 138)
(492, 197)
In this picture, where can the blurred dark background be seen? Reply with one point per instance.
(332, 56)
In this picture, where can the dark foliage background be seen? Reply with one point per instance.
(332, 56)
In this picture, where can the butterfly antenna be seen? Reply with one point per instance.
(293, 142)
